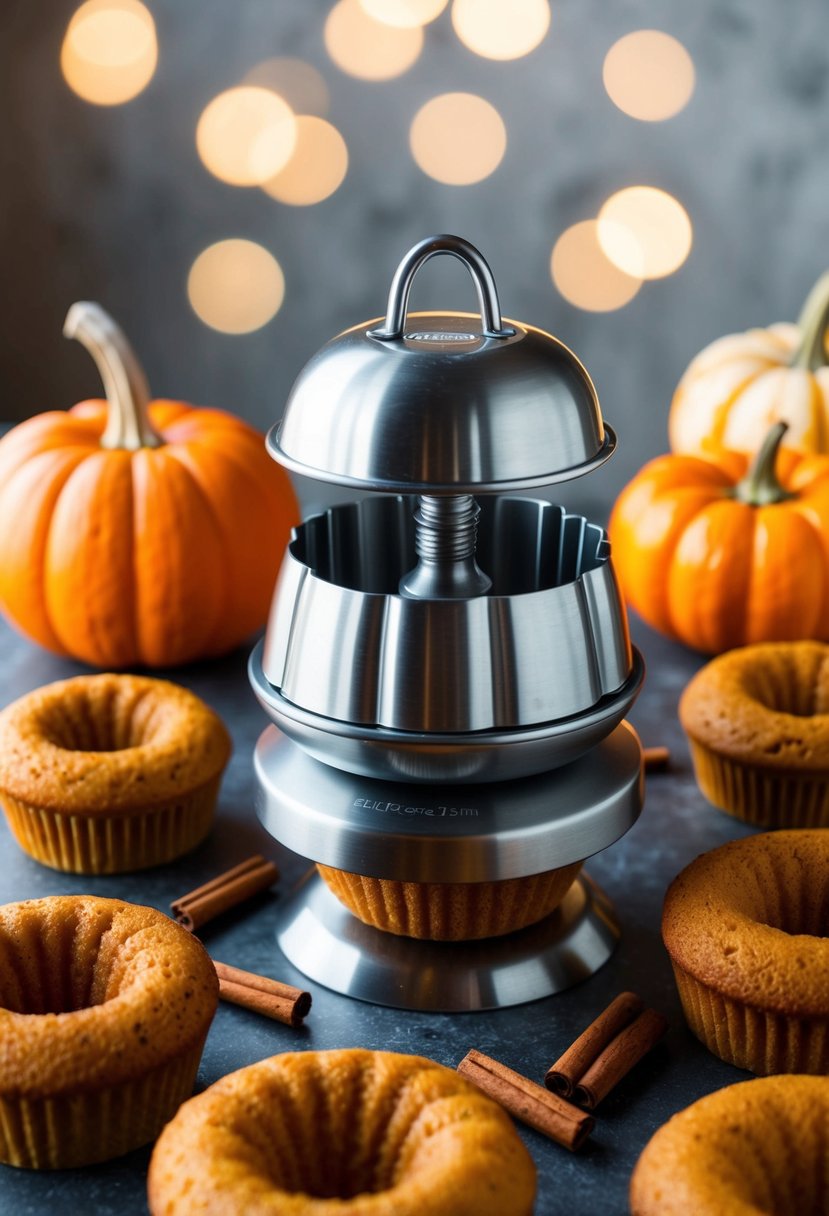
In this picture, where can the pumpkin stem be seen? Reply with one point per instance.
(813, 322)
(128, 395)
(760, 487)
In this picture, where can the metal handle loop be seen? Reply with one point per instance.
(479, 271)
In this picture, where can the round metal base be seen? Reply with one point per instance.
(470, 833)
(327, 943)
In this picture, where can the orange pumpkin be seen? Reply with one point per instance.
(134, 533)
(718, 554)
(740, 385)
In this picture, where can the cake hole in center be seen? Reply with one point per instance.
(55, 966)
(104, 722)
(788, 688)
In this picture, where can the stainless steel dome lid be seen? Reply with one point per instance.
(442, 402)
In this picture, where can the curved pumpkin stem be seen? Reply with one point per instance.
(127, 393)
(813, 322)
(761, 487)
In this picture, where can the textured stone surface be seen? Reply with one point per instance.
(675, 826)
(113, 203)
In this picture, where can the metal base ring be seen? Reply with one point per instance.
(328, 944)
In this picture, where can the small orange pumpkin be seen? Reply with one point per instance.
(134, 533)
(740, 385)
(718, 554)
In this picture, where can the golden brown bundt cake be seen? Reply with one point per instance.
(760, 1148)
(757, 720)
(352, 1132)
(451, 911)
(104, 1009)
(745, 926)
(106, 773)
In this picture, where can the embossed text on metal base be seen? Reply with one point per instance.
(432, 812)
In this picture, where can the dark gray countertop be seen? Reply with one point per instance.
(675, 826)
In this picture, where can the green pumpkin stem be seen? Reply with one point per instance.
(761, 487)
(128, 396)
(813, 323)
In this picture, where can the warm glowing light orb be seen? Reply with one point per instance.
(458, 138)
(649, 75)
(235, 286)
(296, 82)
(369, 49)
(585, 276)
(645, 232)
(501, 29)
(317, 167)
(405, 14)
(109, 52)
(246, 135)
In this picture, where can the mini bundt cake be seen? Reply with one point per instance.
(356, 1132)
(451, 911)
(758, 1148)
(745, 926)
(757, 720)
(104, 1009)
(101, 774)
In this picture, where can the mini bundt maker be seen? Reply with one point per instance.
(447, 678)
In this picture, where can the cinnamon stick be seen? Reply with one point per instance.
(530, 1103)
(224, 892)
(260, 993)
(570, 1067)
(656, 759)
(619, 1057)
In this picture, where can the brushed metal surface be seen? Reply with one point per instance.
(436, 833)
(549, 640)
(451, 758)
(326, 943)
(447, 405)
(446, 537)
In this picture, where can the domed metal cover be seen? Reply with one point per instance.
(443, 402)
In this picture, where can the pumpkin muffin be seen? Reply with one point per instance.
(451, 911)
(757, 720)
(752, 1148)
(745, 927)
(104, 1009)
(360, 1133)
(107, 773)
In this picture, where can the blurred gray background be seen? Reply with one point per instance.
(113, 204)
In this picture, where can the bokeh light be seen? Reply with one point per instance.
(296, 82)
(649, 75)
(458, 138)
(236, 286)
(501, 29)
(404, 13)
(585, 276)
(317, 167)
(109, 52)
(645, 232)
(246, 135)
(369, 49)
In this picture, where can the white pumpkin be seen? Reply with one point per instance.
(739, 386)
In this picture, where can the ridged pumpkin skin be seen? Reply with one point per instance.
(152, 557)
(738, 386)
(714, 572)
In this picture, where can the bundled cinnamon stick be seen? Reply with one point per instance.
(656, 759)
(272, 999)
(224, 892)
(562, 1076)
(530, 1103)
(620, 1055)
